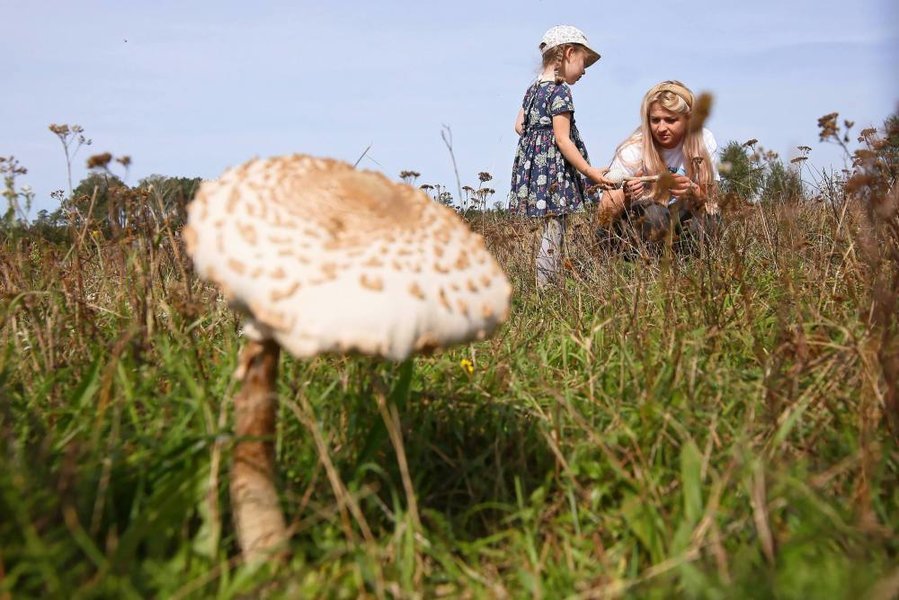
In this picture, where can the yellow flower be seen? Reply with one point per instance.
(467, 365)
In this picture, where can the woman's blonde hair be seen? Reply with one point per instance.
(674, 96)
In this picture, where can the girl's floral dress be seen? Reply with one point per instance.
(543, 182)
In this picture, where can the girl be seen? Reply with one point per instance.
(551, 163)
(664, 143)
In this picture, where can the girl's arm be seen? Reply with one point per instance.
(519, 122)
(562, 131)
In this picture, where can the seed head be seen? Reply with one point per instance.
(99, 161)
(828, 126)
(701, 110)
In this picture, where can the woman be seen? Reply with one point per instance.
(664, 145)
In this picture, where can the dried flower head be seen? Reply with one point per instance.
(866, 133)
(99, 161)
(10, 166)
(70, 133)
(702, 108)
(409, 176)
(663, 186)
(828, 126)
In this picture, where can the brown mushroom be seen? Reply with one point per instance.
(322, 258)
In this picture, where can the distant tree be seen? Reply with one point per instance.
(93, 199)
(170, 195)
(751, 173)
(882, 146)
(740, 177)
(891, 147)
(18, 199)
(782, 184)
(50, 226)
(875, 163)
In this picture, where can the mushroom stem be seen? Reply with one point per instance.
(642, 178)
(261, 531)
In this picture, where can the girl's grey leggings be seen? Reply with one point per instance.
(550, 254)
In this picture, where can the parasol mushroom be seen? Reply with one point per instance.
(322, 258)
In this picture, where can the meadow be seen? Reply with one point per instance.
(713, 424)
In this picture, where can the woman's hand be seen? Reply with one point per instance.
(634, 190)
(683, 187)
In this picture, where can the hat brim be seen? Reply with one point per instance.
(592, 57)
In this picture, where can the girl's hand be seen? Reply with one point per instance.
(597, 176)
(519, 122)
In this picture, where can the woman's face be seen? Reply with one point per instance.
(668, 128)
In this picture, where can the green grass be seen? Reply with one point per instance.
(710, 426)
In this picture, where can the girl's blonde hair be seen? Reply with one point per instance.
(556, 56)
(674, 96)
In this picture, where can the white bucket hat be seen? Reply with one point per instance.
(568, 34)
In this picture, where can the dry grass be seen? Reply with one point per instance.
(719, 423)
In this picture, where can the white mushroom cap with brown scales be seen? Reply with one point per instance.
(322, 257)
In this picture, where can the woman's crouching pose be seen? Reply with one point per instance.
(670, 173)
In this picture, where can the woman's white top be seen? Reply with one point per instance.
(630, 158)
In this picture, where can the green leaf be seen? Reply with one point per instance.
(691, 481)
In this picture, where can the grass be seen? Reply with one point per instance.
(710, 426)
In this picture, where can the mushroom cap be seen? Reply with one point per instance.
(322, 257)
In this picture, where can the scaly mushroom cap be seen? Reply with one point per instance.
(322, 257)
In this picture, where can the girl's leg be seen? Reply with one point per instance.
(549, 256)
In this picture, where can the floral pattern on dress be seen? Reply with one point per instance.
(543, 182)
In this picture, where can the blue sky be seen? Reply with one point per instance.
(190, 88)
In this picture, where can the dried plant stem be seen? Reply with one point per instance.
(392, 420)
(759, 501)
(642, 178)
(447, 135)
(344, 498)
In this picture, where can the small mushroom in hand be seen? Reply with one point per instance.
(322, 258)
(621, 177)
(616, 176)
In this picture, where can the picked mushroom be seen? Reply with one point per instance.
(616, 176)
(322, 258)
(619, 177)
